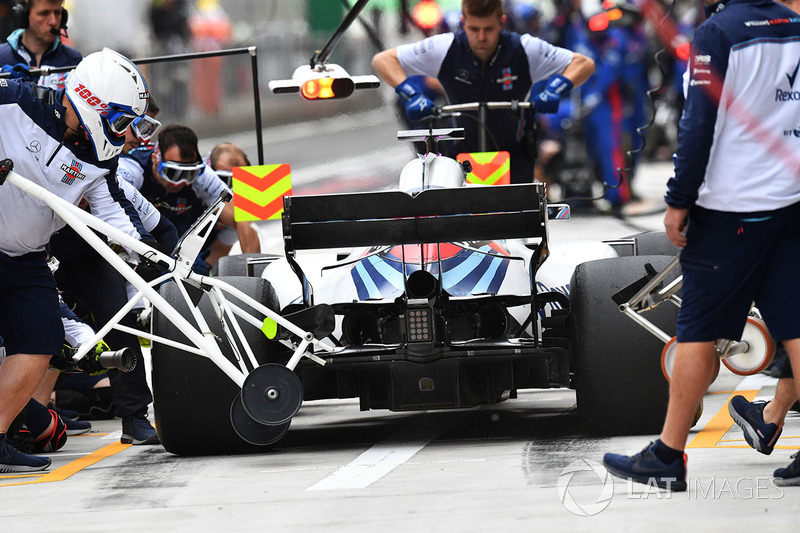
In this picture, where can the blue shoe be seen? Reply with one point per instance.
(65, 414)
(13, 460)
(136, 429)
(645, 467)
(77, 427)
(750, 417)
(789, 476)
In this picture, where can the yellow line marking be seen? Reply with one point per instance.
(15, 476)
(720, 423)
(62, 473)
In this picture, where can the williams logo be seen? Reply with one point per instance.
(71, 172)
(791, 94)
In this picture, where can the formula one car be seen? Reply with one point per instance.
(437, 295)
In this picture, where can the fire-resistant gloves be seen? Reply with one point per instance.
(547, 101)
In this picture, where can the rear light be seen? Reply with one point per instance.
(427, 14)
(325, 88)
(419, 324)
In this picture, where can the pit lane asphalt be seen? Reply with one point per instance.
(338, 469)
(492, 468)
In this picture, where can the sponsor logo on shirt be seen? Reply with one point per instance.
(792, 133)
(71, 172)
(790, 95)
(507, 79)
(463, 76)
(771, 22)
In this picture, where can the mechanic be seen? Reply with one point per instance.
(733, 207)
(603, 99)
(484, 63)
(61, 142)
(762, 422)
(143, 129)
(222, 158)
(37, 42)
(88, 279)
(173, 177)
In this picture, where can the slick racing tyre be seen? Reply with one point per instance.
(192, 396)
(616, 363)
(655, 243)
(236, 265)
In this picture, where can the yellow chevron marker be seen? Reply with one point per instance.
(488, 168)
(258, 191)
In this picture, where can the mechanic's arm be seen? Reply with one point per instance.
(579, 70)
(248, 237)
(388, 67)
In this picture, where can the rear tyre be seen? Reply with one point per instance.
(236, 265)
(616, 363)
(192, 396)
(655, 243)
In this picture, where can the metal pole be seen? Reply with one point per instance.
(257, 104)
(45, 70)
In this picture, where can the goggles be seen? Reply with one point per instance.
(118, 120)
(180, 173)
(226, 176)
(145, 127)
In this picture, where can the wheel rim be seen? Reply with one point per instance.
(760, 353)
(668, 357)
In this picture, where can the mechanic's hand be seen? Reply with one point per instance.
(418, 106)
(20, 70)
(547, 101)
(675, 221)
(149, 269)
(90, 364)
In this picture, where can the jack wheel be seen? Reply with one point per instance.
(252, 431)
(272, 394)
(760, 353)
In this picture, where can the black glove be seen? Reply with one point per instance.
(149, 269)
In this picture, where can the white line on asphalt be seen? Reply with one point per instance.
(756, 382)
(114, 435)
(384, 457)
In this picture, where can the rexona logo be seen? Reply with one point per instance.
(791, 94)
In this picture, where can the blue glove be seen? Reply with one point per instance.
(547, 101)
(418, 106)
(20, 70)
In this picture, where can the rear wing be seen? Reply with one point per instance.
(397, 218)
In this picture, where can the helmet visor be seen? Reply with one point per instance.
(145, 127)
(180, 173)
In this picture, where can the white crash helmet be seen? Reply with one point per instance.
(431, 171)
(108, 93)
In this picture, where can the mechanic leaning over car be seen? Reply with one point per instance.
(58, 140)
(482, 63)
(173, 177)
(92, 281)
(37, 42)
(733, 207)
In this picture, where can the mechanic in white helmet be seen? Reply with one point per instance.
(66, 141)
